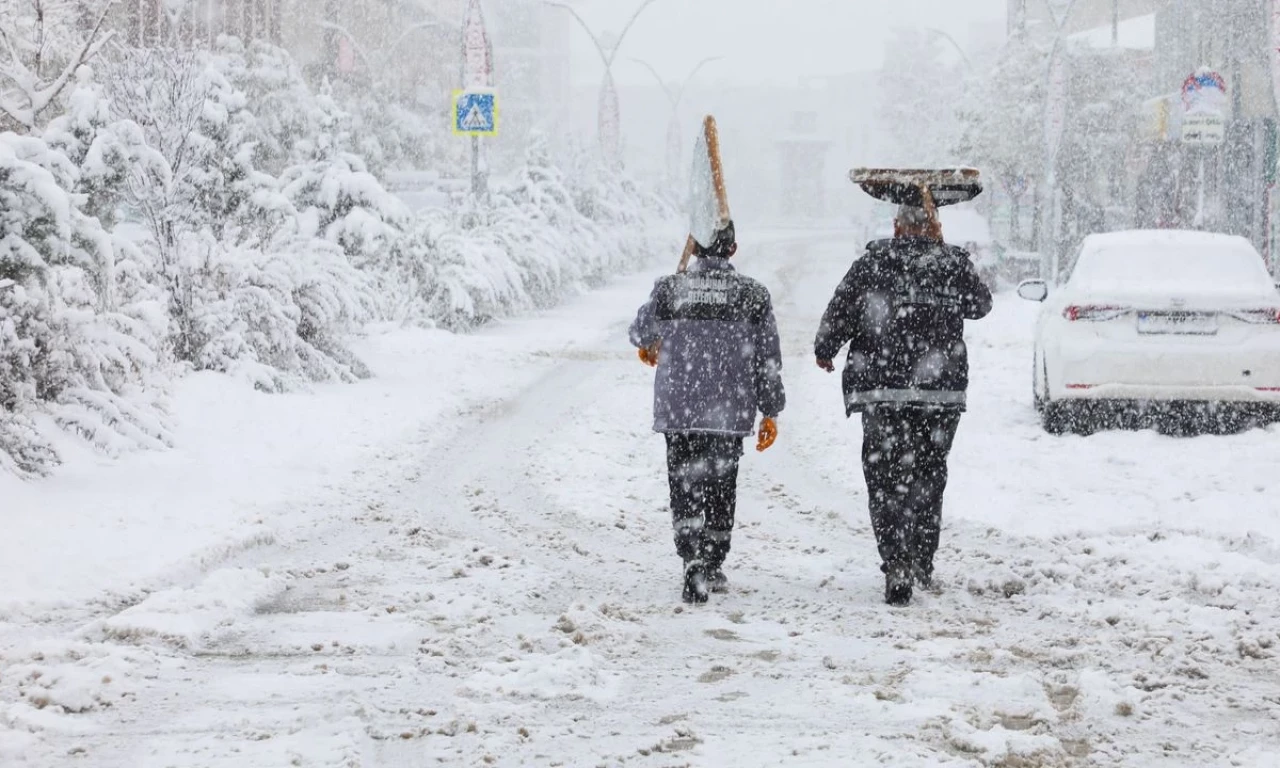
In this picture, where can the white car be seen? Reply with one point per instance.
(1160, 318)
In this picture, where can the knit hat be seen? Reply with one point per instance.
(723, 244)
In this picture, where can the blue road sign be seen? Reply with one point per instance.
(475, 113)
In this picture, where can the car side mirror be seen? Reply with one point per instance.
(1034, 290)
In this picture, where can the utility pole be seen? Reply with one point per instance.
(1056, 94)
(477, 72)
(1115, 23)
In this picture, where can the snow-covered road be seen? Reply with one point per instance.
(494, 584)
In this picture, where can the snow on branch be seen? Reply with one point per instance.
(28, 84)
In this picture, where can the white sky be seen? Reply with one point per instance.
(766, 40)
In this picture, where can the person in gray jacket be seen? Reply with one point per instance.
(712, 335)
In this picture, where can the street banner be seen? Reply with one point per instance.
(477, 50)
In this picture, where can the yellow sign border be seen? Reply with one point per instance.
(453, 115)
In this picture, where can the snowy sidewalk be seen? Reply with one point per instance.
(249, 466)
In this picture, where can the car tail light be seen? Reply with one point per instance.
(1093, 313)
(1259, 316)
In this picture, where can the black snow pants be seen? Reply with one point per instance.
(703, 472)
(904, 460)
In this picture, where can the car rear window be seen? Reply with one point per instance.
(1172, 266)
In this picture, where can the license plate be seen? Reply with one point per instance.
(1177, 323)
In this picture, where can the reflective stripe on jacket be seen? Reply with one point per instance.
(720, 362)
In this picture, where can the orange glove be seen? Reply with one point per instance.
(649, 356)
(768, 434)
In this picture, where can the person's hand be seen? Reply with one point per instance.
(768, 434)
(649, 356)
(827, 365)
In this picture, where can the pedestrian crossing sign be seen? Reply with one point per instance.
(475, 113)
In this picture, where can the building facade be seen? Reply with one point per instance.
(164, 23)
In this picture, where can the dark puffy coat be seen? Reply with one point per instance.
(901, 308)
(720, 361)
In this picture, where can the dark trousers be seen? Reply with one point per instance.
(703, 472)
(904, 460)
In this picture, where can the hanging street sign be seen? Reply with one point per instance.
(1204, 129)
(475, 112)
(1204, 99)
(1205, 91)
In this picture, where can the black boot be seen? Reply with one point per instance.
(922, 575)
(695, 582)
(717, 581)
(897, 584)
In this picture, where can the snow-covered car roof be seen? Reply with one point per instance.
(1164, 238)
(1170, 261)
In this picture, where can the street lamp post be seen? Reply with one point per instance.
(674, 96)
(609, 117)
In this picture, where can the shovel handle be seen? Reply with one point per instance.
(690, 247)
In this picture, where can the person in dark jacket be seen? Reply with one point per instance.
(901, 309)
(712, 335)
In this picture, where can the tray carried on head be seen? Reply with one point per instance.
(905, 186)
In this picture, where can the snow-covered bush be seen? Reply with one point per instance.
(67, 353)
(532, 243)
(274, 316)
(252, 284)
(273, 85)
(339, 201)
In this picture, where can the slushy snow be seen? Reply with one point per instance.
(467, 560)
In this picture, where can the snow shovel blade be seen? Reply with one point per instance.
(708, 197)
(903, 186)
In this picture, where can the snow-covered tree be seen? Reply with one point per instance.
(277, 93)
(919, 99)
(1002, 122)
(210, 209)
(251, 286)
(106, 150)
(65, 354)
(336, 196)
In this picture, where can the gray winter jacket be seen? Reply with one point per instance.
(720, 361)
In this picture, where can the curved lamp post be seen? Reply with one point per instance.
(674, 142)
(609, 116)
